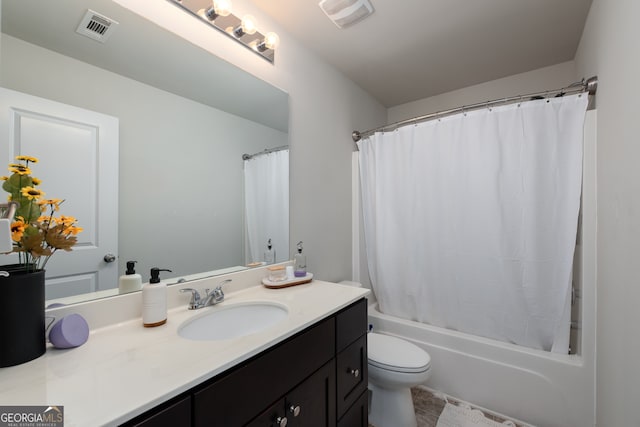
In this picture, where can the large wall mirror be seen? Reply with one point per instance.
(185, 118)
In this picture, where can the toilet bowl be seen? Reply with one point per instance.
(395, 365)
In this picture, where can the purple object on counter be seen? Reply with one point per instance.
(70, 331)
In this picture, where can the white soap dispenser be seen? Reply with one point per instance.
(130, 281)
(154, 300)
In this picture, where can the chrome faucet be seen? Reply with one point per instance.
(211, 298)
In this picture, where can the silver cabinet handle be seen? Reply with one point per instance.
(354, 372)
(295, 410)
(281, 421)
(109, 258)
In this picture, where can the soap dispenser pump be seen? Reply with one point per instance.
(299, 262)
(154, 300)
(130, 281)
(269, 254)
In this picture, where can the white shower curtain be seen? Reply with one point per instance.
(266, 180)
(470, 221)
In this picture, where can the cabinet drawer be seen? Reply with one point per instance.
(351, 324)
(352, 374)
(235, 398)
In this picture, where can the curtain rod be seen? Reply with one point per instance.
(265, 151)
(589, 85)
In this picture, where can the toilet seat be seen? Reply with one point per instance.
(395, 354)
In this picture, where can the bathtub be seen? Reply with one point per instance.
(537, 387)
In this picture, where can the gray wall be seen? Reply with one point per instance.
(609, 48)
(547, 78)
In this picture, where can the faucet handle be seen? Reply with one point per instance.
(195, 297)
(218, 293)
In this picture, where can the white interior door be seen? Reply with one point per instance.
(78, 153)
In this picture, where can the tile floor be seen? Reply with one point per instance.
(428, 408)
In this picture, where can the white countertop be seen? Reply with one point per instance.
(125, 369)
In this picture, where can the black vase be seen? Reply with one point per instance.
(22, 329)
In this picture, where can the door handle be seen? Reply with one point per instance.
(109, 258)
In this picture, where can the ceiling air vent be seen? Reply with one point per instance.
(96, 26)
(344, 13)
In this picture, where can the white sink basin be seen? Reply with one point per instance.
(232, 321)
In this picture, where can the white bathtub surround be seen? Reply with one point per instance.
(154, 364)
(541, 388)
(470, 220)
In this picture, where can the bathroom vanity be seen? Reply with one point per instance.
(316, 378)
(310, 368)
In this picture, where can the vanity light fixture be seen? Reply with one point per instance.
(247, 26)
(270, 41)
(217, 13)
(218, 8)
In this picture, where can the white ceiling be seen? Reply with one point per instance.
(413, 49)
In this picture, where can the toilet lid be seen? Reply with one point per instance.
(395, 354)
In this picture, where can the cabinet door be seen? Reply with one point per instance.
(352, 374)
(313, 403)
(245, 392)
(310, 404)
(274, 416)
(358, 414)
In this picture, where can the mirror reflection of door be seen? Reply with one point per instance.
(78, 162)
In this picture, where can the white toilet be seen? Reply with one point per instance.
(395, 365)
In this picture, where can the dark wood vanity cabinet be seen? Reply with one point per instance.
(253, 386)
(351, 366)
(173, 413)
(317, 378)
(312, 403)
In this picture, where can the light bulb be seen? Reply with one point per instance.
(249, 25)
(222, 7)
(271, 40)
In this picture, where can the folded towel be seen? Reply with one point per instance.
(464, 416)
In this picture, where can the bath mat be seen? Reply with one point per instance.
(464, 416)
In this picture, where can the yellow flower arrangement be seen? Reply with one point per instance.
(36, 233)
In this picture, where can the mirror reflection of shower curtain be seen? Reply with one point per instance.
(470, 221)
(266, 181)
